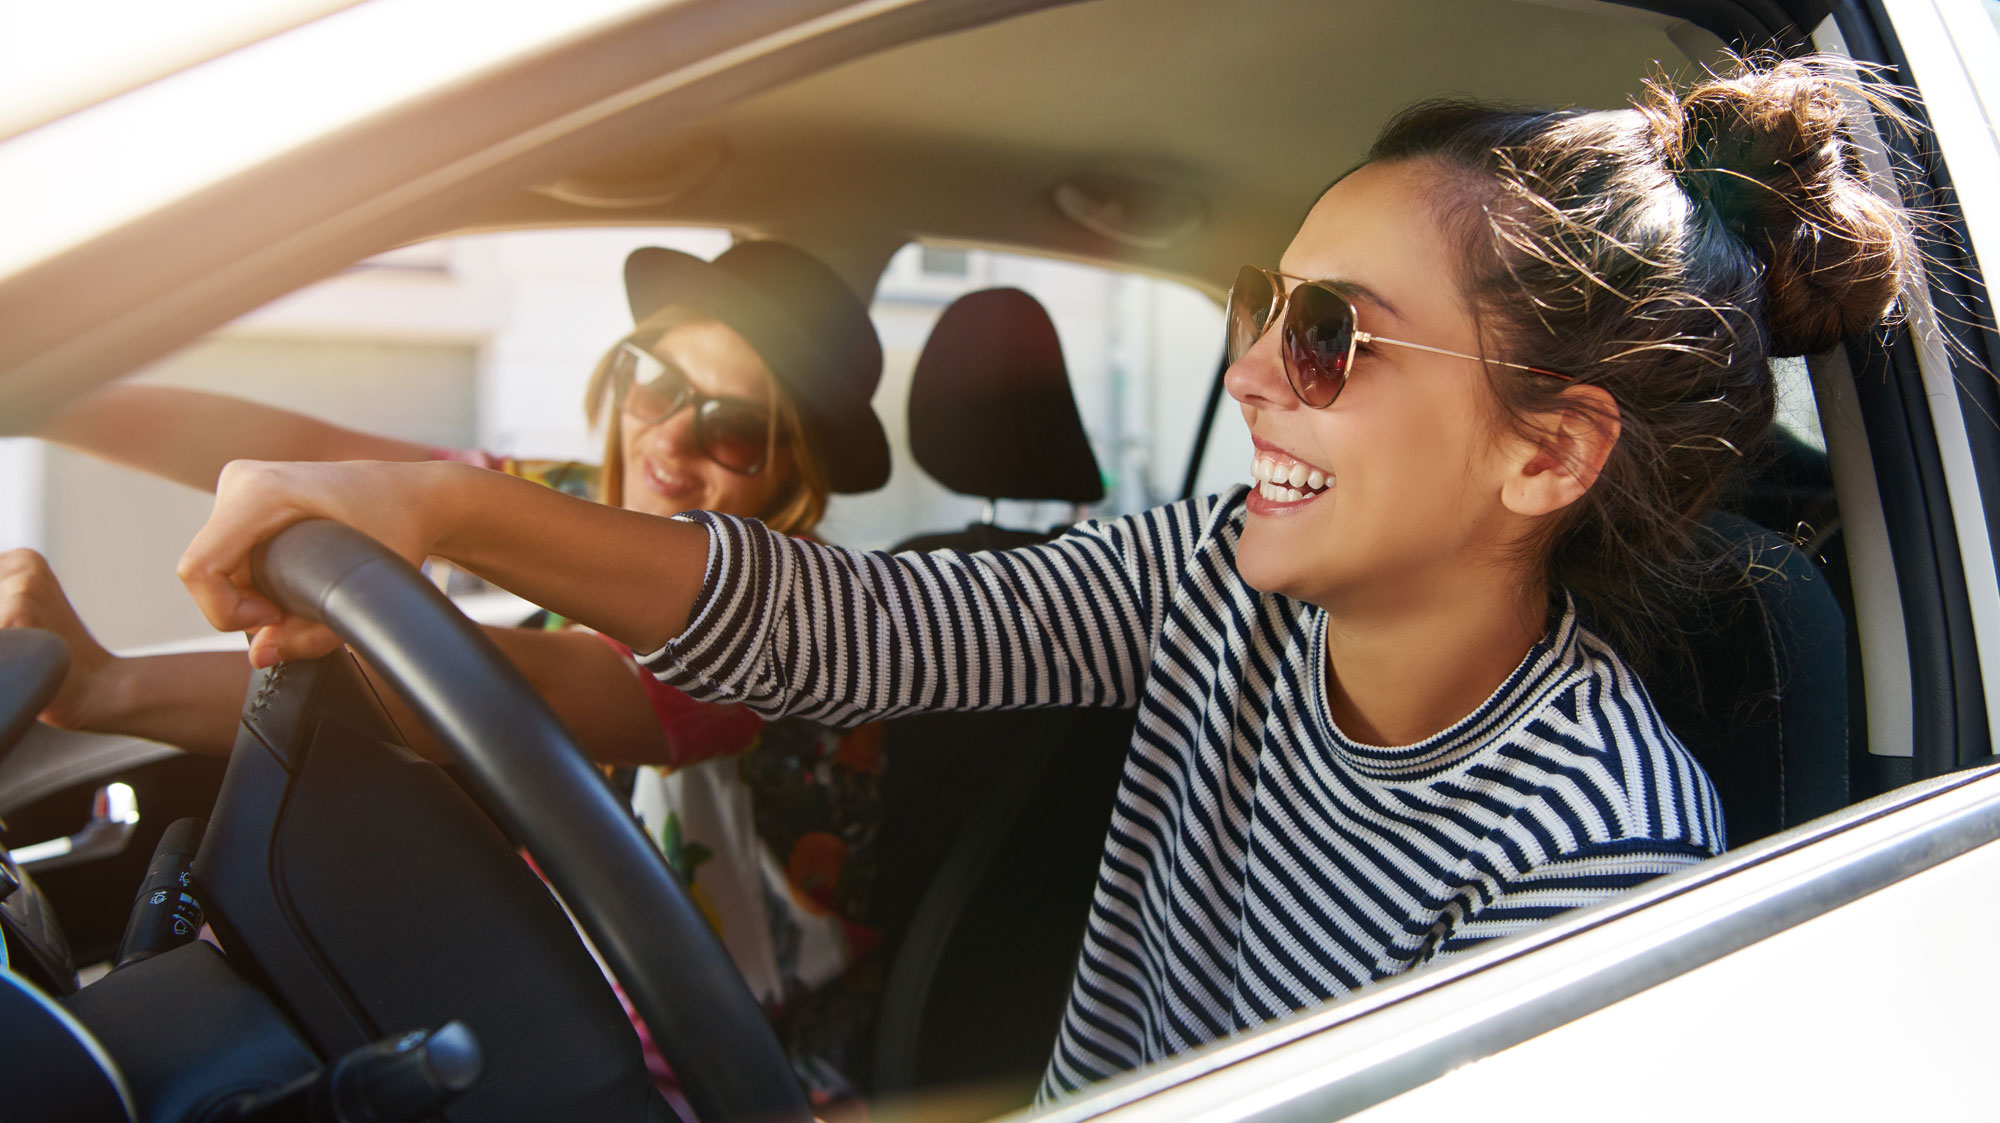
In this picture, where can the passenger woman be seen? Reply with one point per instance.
(1492, 384)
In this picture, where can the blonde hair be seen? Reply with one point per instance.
(800, 502)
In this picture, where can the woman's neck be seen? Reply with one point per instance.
(1397, 676)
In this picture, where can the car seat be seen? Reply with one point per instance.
(1760, 692)
(991, 416)
(983, 902)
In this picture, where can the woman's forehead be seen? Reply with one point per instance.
(1375, 235)
(716, 360)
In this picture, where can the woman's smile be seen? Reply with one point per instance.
(663, 480)
(1282, 482)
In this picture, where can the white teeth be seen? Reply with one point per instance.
(1286, 484)
(1278, 494)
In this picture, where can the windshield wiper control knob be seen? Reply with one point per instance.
(165, 915)
(397, 1080)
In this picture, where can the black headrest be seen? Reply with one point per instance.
(990, 408)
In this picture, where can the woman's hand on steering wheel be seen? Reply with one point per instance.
(31, 597)
(256, 499)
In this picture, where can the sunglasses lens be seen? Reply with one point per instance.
(1251, 300)
(733, 435)
(655, 390)
(1319, 340)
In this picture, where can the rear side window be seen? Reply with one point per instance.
(1142, 353)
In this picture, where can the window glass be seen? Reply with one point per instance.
(486, 341)
(483, 341)
(1142, 353)
(1796, 413)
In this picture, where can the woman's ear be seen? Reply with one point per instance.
(1558, 459)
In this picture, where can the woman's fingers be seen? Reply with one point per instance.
(31, 597)
(253, 501)
(216, 570)
(295, 637)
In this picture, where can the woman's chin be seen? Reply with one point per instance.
(1266, 561)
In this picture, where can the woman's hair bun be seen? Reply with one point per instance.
(1770, 149)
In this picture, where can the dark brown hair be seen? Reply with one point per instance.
(1665, 253)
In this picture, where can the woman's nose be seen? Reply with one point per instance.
(1257, 377)
(675, 432)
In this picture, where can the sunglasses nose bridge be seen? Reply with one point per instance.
(646, 410)
(667, 425)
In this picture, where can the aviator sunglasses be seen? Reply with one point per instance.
(1319, 337)
(734, 433)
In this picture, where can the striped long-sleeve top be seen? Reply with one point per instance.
(1258, 861)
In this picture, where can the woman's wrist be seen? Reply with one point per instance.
(93, 696)
(462, 509)
(191, 700)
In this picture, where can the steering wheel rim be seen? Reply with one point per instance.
(526, 767)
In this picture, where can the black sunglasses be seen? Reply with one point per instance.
(737, 434)
(1319, 337)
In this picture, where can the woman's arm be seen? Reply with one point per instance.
(190, 700)
(843, 636)
(194, 699)
(187, 436)
(630, 576)
(788, 627)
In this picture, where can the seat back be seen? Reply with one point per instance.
(984, 903)
(1761, 697)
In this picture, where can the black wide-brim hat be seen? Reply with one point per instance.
(807, 326)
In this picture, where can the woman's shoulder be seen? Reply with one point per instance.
(1647, 783)
(1197, 524)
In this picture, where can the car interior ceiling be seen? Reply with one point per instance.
(1769, 689)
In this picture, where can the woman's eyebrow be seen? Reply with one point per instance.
(1353, 290)
(1362, 294)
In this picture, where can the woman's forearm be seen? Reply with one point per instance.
(187, 435)
(633, 577)
(195, 700)
(190, 700)
(630, 576)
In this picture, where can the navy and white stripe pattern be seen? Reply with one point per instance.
(1258, 862)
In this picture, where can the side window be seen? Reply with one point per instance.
(1142, 353)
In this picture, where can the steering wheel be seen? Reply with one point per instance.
(516, 755)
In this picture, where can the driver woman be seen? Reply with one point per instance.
(744, 388)
(1386, 710)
